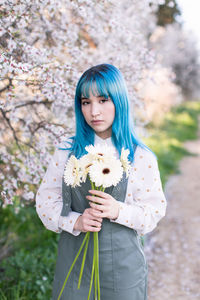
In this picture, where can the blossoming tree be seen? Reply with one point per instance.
(45, 46)
(177, 49)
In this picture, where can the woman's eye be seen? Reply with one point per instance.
(85, 102)
(103, 100)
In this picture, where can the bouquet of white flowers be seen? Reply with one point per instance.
(104, 170)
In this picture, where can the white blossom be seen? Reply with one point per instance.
(47, 45)
(106, 173)
(124, 161)
(72, 172)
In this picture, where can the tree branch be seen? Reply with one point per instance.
(7, 86)
(13, 131)
(33, 102)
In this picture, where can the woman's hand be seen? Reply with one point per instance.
(104, 205)
(88, 221)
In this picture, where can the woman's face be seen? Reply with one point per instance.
(99, 113)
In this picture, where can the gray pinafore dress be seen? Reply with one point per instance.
(122, 265)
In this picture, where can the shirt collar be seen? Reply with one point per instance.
(99, 140)
(108, 142)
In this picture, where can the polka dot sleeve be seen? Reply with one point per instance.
(49, 197)
(145, 202)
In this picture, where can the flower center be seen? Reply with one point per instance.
(106, 171)
(89, 165)
(74, 172)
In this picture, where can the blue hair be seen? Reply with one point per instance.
(105, 80)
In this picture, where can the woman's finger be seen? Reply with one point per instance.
(94, 223)
(99, 193)
(91, 214)
(92, 229)
(96, 199)
(94, 214)
(98, 207)
(97, 214)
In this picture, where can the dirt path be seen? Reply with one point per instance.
(173, 250)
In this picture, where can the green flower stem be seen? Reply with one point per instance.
(96, 253)
(84, 240)
(97, 283)
(97, 264)
(83, 261)
(95, 274)
(92, 185)
(92, 275)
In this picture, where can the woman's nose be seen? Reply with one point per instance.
(95, 111)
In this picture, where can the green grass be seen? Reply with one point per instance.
(28, 272)
(179, 125)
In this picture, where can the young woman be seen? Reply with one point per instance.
(120, 214)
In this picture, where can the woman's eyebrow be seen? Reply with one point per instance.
(85, 98)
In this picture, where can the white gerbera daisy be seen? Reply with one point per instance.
(124, 160)
(85, 162)
(72, 172)
(100, 152)
(106, 173)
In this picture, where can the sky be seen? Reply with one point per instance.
(190, 16)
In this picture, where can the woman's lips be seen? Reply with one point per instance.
(96, 122)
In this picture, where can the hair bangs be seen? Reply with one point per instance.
(95, 85)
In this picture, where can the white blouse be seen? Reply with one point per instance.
(144, 205)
